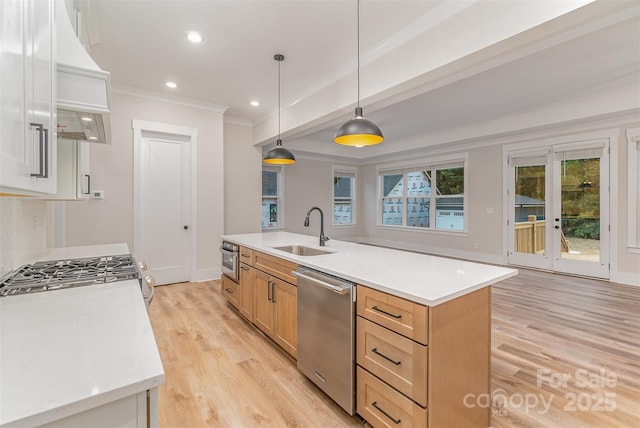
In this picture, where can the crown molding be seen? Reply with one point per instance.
(158, 96)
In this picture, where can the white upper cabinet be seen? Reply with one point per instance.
(27, 95)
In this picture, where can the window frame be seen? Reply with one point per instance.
(279, 196)
(432, 164)
(352, 172)
(633, 189)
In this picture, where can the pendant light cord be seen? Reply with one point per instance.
(279, 99)
(358, 43)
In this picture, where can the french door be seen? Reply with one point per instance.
(558, 199)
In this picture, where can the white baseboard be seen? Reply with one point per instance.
(201, 275)
(627, 278)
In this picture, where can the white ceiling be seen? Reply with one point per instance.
(143, 44)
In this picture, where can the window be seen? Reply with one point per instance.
(271, 197)
(344, 185)
(633, 155)
(424, 196)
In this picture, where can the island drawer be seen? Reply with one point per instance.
(246, 255)
(275, 266)
(399, 361)
(231, 291)
(382, 406)
(400, 315)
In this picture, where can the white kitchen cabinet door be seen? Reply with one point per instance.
(27, 111)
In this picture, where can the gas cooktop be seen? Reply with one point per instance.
(59, 274)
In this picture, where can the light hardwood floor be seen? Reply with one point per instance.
(550, 335)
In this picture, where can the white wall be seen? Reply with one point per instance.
(110, 220)
(25, 226)
(308, 183)
(242, 180)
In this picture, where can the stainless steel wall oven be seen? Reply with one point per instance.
(230, 260)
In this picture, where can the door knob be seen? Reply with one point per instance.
(557, 219)
(185, 227)
(557, 227)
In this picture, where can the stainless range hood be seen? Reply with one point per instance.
(83, 90)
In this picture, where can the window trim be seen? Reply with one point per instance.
(354, 193)
(436, 162)
(633, 189)
(279, 196)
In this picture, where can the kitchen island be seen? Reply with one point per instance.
(420, 278)
(422, 323)
(78, 356)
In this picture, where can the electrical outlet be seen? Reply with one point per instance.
(97, 194)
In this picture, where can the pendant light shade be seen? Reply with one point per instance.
(358, 132)
(279, 155)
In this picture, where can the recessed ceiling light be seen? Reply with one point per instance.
(86, 119)
(194, 37)
(172, 85)
(255, 103)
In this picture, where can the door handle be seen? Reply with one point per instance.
(269, 290)
(557, 227)
(273, 292)
(88, 192)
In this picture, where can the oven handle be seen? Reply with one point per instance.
(230, 252)
(340, 290)
(151, 283)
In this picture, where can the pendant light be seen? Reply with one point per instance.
(358, 131)
(279, 155)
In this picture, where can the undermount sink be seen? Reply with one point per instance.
(300, 250)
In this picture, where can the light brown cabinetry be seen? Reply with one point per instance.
(416, 364)
(275, 303)
(246, 290)
(231, 291)
(266, 295)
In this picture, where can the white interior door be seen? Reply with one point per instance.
(163, 213)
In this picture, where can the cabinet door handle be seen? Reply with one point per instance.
(269, 290)
(228, 290)
(375, 351)
(273, 292)
(244, 268)
(375, 308)
(246, 256)
(395, 421)
(43, 147)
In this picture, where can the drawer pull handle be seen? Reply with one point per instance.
(395, 421)
(228, 290)
(375, 351)
(375, 308)
(246, 256)
(244, 268)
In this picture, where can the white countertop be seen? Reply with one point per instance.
(66, 351)
(421, 278)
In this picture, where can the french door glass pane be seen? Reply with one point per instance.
(580, 202)
(530, 206)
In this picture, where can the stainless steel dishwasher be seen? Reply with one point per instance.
(326, 334)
